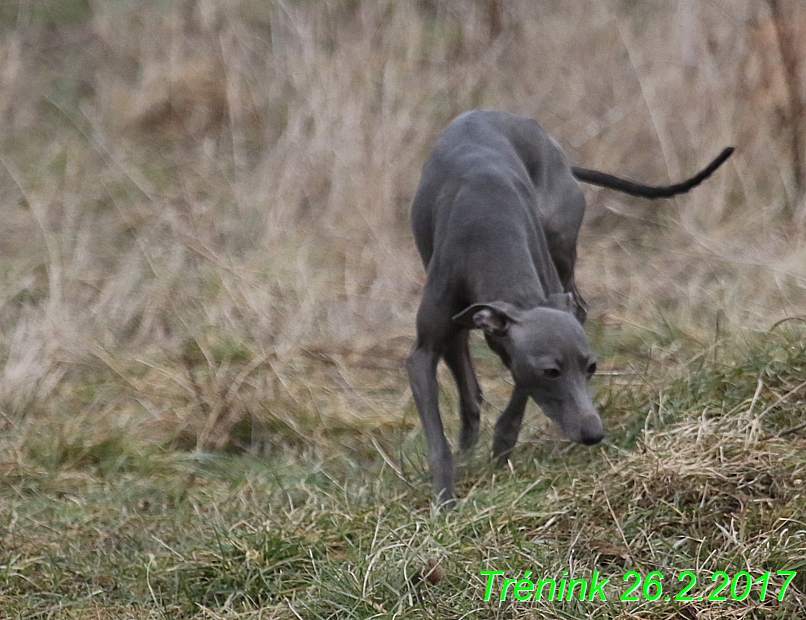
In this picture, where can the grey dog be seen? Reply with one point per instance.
(495, 220)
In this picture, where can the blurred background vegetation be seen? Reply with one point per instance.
(201, 200)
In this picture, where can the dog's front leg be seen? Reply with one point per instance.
(508, 425)
(421, 366)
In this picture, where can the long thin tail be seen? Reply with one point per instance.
(602, 179)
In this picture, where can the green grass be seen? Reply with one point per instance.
(693, 476)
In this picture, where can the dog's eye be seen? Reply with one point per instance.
(551, 373)
(591, 369)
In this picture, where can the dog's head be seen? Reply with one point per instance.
(546, 351)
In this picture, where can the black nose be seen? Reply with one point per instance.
(592, 438)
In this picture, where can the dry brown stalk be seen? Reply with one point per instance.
(796, 112)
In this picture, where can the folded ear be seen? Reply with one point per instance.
(562, 301)
(569, 302)
(495, 318)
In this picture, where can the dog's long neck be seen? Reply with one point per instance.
(506, 255)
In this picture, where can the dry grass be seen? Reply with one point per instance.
(701, 472)
(205, 246)
(178, 173)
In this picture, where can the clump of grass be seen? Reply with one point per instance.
(698, 473)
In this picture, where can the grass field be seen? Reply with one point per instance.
(208, 286)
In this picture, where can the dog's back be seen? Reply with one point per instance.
(501, 156)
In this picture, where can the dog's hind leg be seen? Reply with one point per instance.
(457, 357)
